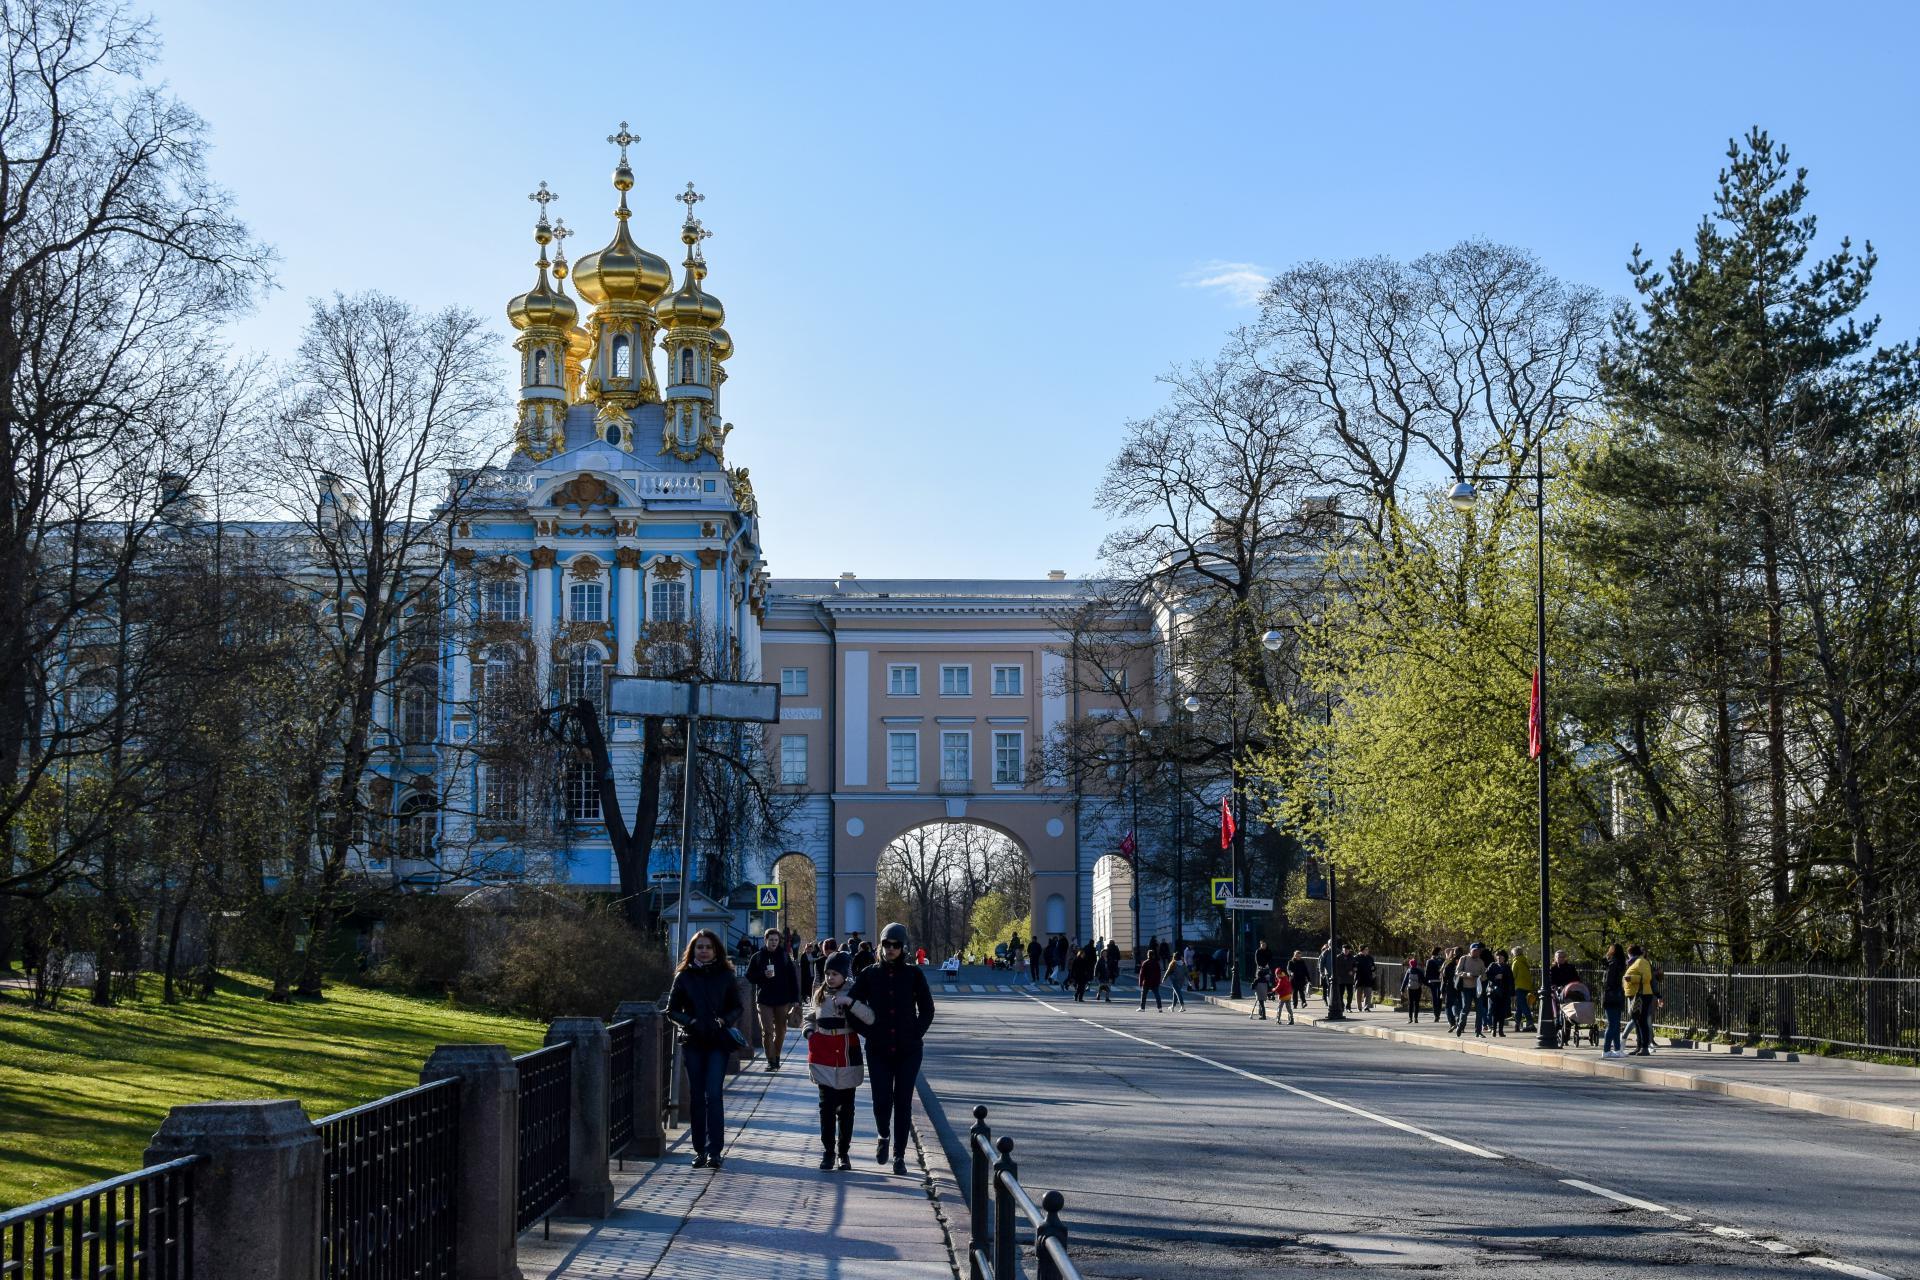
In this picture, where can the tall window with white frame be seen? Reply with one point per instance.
(413, 829)
(587, 601)
(956, 755)
(502, 689)
(903, 757)
(903, 680)
(1009, 757)
(501, 600)
(667, 601)
(1007, 680)
(417, 706)
(956, 680)
(581, 793)
(586, 674)
(503, 794)
(793, 759)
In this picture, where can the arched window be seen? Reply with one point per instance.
(622, 356)
(540, 368)
(587, 601)
(586, 673)
(856, 913)
(686, 364)
(413, 829)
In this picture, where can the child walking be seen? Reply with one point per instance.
(1282, 995)
(833, 1059)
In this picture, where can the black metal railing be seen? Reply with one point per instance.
(1846, 1010)
(138, 1226)
(546, 1121)
(392, 1170)
(996, 1201)
(620, 1084)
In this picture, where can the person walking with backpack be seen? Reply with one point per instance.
(776, 985)
(1176, 982)
(834, 1059)
(1467, 972)
(704, 1002)
(894, 1007)
(1262, 988)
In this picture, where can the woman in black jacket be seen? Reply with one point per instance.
(1613, 999)
(705, 1005)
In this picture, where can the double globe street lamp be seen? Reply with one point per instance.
(1462, 497)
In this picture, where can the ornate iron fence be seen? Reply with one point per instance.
(620, 1082)
(546, 1121)
(138, 1226)
(996, 1201)
(392, 1169)
(1846, 1010)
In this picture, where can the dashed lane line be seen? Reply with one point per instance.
(1730, 1233)
(1482, 1152)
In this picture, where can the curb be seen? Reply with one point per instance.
(1880, 1113)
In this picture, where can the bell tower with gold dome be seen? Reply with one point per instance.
(544, 315)
(689, 320)
(622, 282)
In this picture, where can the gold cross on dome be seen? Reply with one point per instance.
(690, 198)
(561, 230)
(623, 140)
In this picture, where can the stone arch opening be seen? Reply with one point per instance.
(960, 886)
(1116, 903)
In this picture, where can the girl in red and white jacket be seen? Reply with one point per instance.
(833, 1059)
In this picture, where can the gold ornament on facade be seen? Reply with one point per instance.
(742, 491)
(706, 529)
(667, 569)
(584, 569)
(463, 558)
(584, 493)
(627, 557)
(623, 528)
(544, 557)
(709, 557)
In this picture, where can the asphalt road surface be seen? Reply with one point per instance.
(1200, 1146)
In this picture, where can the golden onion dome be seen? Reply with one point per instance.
(544, 304)
(692, 306)
(579, 342)
(722, 344)
(623, 271)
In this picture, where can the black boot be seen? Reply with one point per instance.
(880, 1152)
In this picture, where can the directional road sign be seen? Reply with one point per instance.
(1222, 890)
(768, 896)
(706, 699)
(1248, 904)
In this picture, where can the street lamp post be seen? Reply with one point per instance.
(1462, 497)
(1238, 846)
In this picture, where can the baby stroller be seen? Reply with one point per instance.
(1574, 1012)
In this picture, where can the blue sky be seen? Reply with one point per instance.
(958, 243)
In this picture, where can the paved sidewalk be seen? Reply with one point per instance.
(769, 1214)
(1868, 1092)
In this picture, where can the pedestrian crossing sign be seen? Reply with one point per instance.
(769, 897)
(1222, 890)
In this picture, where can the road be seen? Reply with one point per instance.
(1201, 1146)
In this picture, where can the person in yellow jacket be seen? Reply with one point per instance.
(1643, 992)
(1523, 1013)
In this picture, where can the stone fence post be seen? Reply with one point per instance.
(649, 1076)
(259, 1191)
(486, 1192)
(590, 1186)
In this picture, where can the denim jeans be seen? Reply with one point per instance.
(1612, 1040)
(706, 1088)
(1522, 1008)
(893, 1076)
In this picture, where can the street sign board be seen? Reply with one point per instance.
(1222, 890)
(767, 897)
(707, 699)
(1248, 904)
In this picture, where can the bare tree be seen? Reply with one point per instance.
(380, 404)
(118, 259)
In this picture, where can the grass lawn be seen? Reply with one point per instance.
(83, 1089)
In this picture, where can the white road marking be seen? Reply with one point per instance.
(1324, 1101)
(1635, 1201)
(1848, 1269)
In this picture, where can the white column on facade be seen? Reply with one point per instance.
(627, 624)
(460, 673)
(542, 613)
(709, 593)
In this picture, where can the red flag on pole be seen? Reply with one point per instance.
(1226, 823)
(1127, 846)
(1536, 730)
